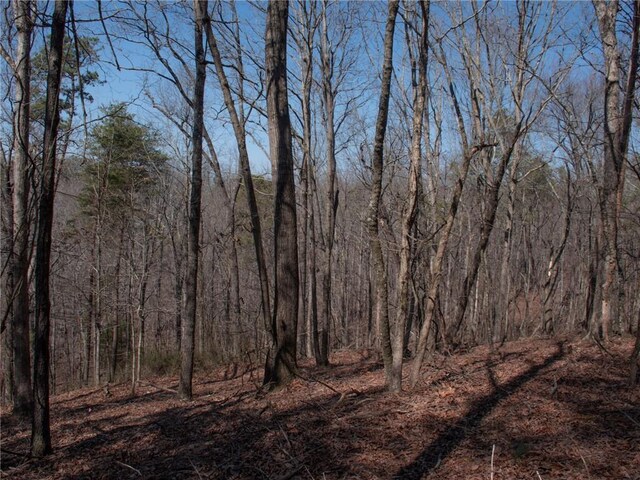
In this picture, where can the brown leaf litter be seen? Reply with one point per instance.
(533, 409)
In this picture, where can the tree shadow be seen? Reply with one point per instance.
(217, 441)
(434, 453)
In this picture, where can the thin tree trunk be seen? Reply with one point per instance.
(237, 121)
(6, 250)
(188, 325)
(331, 197)
(304, 39)
(635, 357)
(373, 209)
(314, 343)
(394, 381)
(22, 394)
(97, 305)
(438, 261)
(40, 432)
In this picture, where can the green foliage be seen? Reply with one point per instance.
(72, 75)
(124, 164)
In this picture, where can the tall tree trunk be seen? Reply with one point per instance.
(313, 327)
(22, 395)
(113, 357)
(394, 381)
(281, 363)
(555, 256)
(331, 197)
(373, 210)
(437, 263)
(97, 302)
(617, 128)
(6, 251)
(238, 124)
(40, 432)
(304, 38)
(188, 324)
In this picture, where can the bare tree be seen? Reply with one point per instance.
(236, 115)
(373, 210)
(410, 210)
(304, 28)
(188, 324)
(617, 128)
(40, 433)
(281, 361)
(19, 300)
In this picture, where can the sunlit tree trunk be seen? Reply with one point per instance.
(373, 210)
(617, 127)
(394, 381)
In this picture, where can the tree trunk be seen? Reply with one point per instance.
(634, 360)
(373, 210)
(22, 394)
(436, 267)
(394, 381)
(617, 127)
(314, 337)
(40, 432)
(237, 121)
(6, 250)
(281, 362)
(331, 198)
(188, 324)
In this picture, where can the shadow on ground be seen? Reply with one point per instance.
(311, 432)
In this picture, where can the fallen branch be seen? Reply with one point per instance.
(17, 454)
(164, 389)
(602, 347)
(314, 379)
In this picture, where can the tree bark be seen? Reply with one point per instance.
(304, 38)
(617, 128)
(331, 198)
(237, 122)
(394, 381)
(40, 432)
(187, 343)
(22, 394)
(281, 362)
(373, 209)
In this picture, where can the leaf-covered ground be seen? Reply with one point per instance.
(535, 409)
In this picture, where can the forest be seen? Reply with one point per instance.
(320, 239)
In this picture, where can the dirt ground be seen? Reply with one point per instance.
(536, 409)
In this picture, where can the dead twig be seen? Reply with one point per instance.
(629, 417)
(196, 469)
(493, 452)
(291, 473)
(129, 467)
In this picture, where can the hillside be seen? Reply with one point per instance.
(535, 409)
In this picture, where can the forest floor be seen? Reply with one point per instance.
(534, 409)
